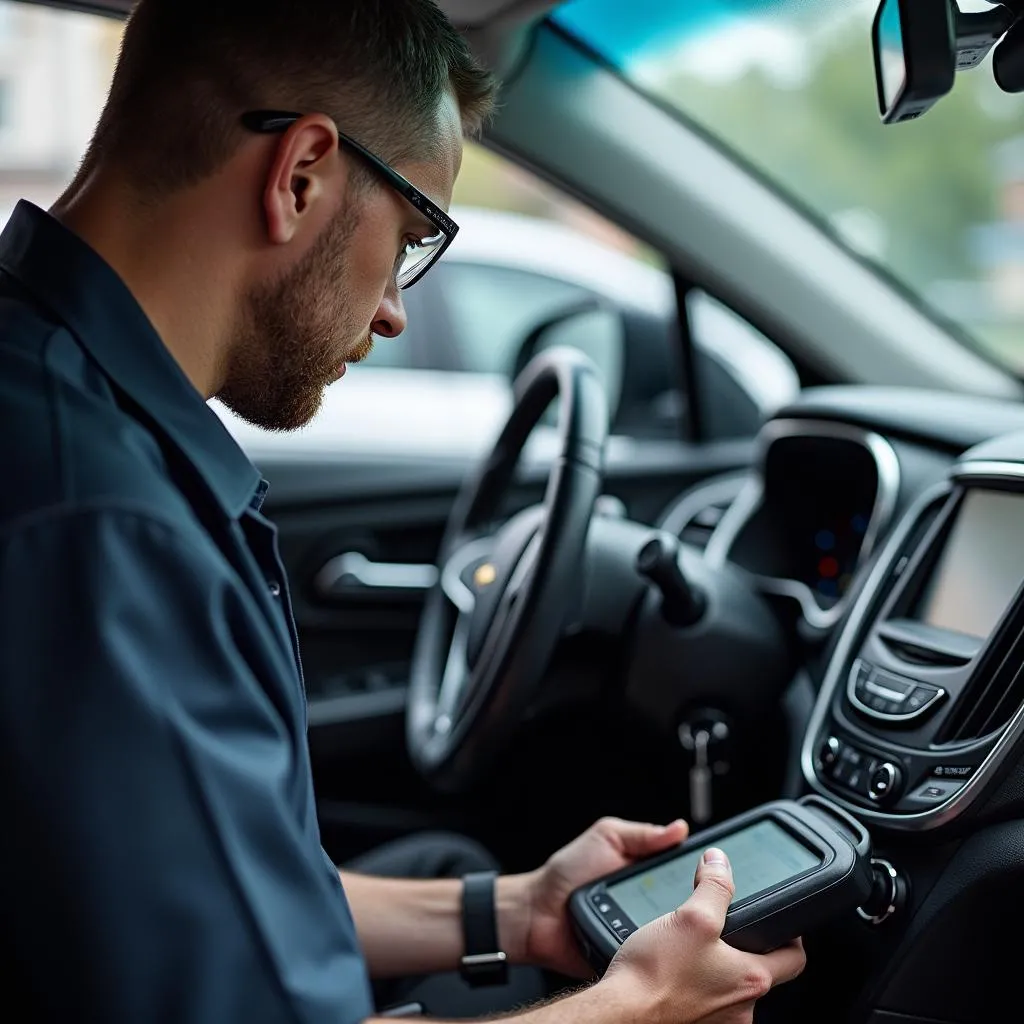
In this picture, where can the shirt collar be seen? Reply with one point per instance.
(84, 291)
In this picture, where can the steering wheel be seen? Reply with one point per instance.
(491, 623)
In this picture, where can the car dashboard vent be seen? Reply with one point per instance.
(996, 689)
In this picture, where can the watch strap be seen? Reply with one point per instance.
(483, 963)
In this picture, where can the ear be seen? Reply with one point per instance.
(306, 168)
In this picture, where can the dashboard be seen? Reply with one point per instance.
(901, 544)
(924, 696)
(908, 706)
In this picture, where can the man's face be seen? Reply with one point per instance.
(297, 334)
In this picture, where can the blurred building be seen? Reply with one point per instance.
(55, 68)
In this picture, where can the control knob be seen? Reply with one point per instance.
(888, 892)
(884, 782)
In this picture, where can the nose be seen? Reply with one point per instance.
(390, 319)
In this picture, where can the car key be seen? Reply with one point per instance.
(700, 772)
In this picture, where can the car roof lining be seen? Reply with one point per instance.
(464, 13)
(497, 30)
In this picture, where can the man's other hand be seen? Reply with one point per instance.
(605, 847)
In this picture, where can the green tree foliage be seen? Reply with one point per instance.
(929, 181)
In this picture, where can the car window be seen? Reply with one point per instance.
(55, 69)
(493, 309)
(935, 204)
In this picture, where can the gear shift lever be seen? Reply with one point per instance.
(658, 561)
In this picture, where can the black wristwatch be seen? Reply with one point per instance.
(483, 963)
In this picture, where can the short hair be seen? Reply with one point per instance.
(188, 70)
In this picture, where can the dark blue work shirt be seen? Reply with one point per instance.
(160, 858)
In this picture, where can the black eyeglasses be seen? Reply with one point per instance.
(417, 257)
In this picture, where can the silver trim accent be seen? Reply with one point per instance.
(749, 501)
(883, 716)
(453, 681)
(880, 691)
(1012, 732)
(330, 581)
(684, 509)
(893, 876)
(983, 470)
(456, 671)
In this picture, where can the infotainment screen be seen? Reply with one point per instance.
(981, 566)
(763, 856)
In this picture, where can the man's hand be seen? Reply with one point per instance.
(678, 970)
(611, 844)
(675, 970)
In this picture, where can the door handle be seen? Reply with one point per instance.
(353, 571)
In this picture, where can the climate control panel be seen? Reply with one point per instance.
(885, 696)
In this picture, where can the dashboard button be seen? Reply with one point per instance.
(876, 702)
(830, 752)
(860, 673)
(917, 699)
(884, 783)
(852, 756)
(932, 792)
(900, 688)
(922, 696)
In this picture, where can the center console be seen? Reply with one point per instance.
(924, 695)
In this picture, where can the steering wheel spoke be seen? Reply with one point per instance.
(454, 680)
(458, 581)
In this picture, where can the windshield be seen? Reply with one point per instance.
(789, 85)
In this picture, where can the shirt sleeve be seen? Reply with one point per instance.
(157, 863)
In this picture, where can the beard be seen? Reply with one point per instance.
(293, 336)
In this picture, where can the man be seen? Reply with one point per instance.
(233, 232)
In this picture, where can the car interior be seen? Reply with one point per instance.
(593, 602)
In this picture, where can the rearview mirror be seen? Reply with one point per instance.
(919, 47)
